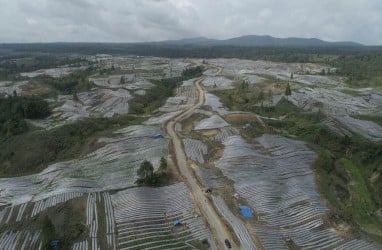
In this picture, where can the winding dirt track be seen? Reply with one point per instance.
(215, 222)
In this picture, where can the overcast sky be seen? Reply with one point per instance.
(153, 20)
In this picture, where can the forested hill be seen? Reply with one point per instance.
(259, 41)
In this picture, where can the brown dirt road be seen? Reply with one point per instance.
(214, 220)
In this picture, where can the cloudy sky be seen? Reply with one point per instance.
(153, 20)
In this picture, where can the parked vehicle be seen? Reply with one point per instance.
(228, 244)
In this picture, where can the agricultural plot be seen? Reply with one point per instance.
(7, 88)
(195, 150)
(55, 72)
(237, 67)
(110, 222)
(336, 102)
(367, 129)
(27, 240)
(92, 219)
(185, 97)
(212, 122)
(238, 226)
(225, 133)
(52, 201)
(317, 80)
(94, 103)
(214, 103)
(280, 187)
(339, 106)
(156, 120)
(83, 245)
(157, 218)
(208, 178)
(250, 78)
(176, 103)
(217, 82)
(113, 81)
(110, 167)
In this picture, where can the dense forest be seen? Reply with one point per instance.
(14, 110)
(11, 64)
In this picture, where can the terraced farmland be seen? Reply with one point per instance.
(145, 218)
(111, 166)
(195, 150)
(279, 186)
(20, 240)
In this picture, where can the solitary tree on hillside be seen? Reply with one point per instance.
(163, 164)
(122, 81)
(288, 91)
(146, 170)
(270, 95)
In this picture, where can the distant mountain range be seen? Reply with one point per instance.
(254, 40)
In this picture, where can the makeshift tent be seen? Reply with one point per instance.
(245, 211)
(176, 223)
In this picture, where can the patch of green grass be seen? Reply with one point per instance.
(360, 203)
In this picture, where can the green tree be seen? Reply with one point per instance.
(146, 170)
(122, 81)
(270, 95)
(163, 164)
(288, 90)
(261, 96)
(48, 232)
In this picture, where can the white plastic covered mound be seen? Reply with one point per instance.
(195, 149)
(207, 177)
(97, 102)
(252, 79)
(109, 167)
(161, 118)
(214, 103)
(25, 240)
(317, 79)
(334, 102)
(175, 103)
(54, 72)
(275, 69)
(212, 122)
(185, 97)
(8, 88)
(145, 218)
(113, 81)
(218, 82)
(279, 185)
(367, 129)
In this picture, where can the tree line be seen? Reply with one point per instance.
(15, 109)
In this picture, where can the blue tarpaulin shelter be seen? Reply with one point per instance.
(157, 136)
(245, 211)
(55, 243)
(176, 222)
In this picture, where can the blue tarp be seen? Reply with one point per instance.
(157, 136)
(54, 243)
(246, 211)
(176, 222)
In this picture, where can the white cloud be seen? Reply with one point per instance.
(151, 20)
